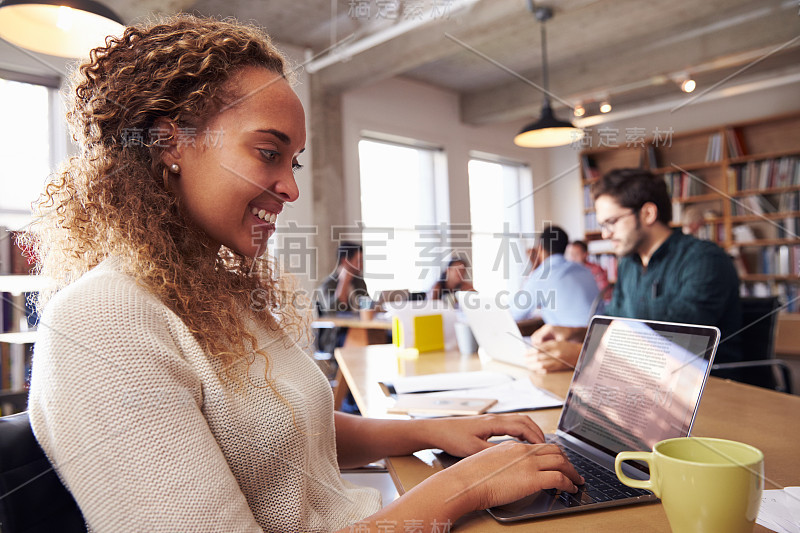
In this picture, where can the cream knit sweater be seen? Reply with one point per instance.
(134, 417)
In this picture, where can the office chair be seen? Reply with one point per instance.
(757, 336)
(32, 497)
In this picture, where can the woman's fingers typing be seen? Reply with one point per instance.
(512, 470)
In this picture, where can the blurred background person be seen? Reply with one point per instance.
(694, 223)
(341, 290)
(453, 278)
(578, 252)
(562, 291)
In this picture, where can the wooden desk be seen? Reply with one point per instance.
(360, 332)
(761, 417)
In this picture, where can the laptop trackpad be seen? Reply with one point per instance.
(540, 502)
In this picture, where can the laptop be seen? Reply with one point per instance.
(636, 383)
(494, 328)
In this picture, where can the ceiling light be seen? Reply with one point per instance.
(548, 131)
(605, 106)
(688, 85)
(65, 28)
(579, 110)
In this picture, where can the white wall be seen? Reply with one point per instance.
(418, 111)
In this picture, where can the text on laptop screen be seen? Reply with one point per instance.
(637, 383)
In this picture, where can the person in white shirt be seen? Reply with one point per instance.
(168, 387)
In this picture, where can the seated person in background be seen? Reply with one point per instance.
(694, 223)
(452, 280)
(341, 290)
(168, 388)
(563, 290)
(578, 252)
(662, 274)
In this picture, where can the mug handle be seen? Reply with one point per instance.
(647, 457)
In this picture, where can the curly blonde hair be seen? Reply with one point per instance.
(111, 200)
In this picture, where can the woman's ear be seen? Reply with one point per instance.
(165, 135)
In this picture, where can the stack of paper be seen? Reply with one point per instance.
(511, 394)
(519, 395)
(780, 510)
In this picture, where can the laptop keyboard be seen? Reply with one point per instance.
(601, 484)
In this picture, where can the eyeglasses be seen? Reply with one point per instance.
(609, 224)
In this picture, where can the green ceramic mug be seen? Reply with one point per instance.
(705, 484)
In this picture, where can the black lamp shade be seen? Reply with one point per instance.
(548, 131)
(65, 28)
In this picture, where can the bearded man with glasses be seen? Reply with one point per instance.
(662, 273)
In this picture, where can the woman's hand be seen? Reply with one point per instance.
(505, 473)
(500, 474)
(463, 436)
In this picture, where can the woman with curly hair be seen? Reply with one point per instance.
(168, 388)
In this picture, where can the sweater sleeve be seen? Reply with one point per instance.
(119, 413)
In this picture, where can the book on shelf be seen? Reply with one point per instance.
(739, 263)
(609, 263)
(759, 289)
(789, 294)
(590, 170)
(682, 185)
(762, 204)
(677, 212)
(652, 156)
(588, 202)
(743, 233)
(788, 228)
(714, 150)
(768, 173)
(775, 260)
(590, 222)
(735, 141)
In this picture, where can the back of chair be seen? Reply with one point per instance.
(32, 497)
(759, 319)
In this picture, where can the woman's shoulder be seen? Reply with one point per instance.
(108, 311)
(104, 294)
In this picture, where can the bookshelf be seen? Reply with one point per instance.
(744, 178)
(16, 336)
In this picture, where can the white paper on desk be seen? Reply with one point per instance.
(780, 510)
(448, 381)
(519, 395)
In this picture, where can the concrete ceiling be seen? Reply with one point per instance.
(488, 51)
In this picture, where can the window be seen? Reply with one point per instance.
(501, 211)
(402, 215)
(29, 146)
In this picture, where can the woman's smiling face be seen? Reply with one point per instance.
(234, 188)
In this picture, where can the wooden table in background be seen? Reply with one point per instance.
(763, 418)
(359, 333)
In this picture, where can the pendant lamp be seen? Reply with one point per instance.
(548, 131)
(65, 28)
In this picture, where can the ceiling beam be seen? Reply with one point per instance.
(424, 44)
(629, 64)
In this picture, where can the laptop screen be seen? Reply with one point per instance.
(637, 383)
